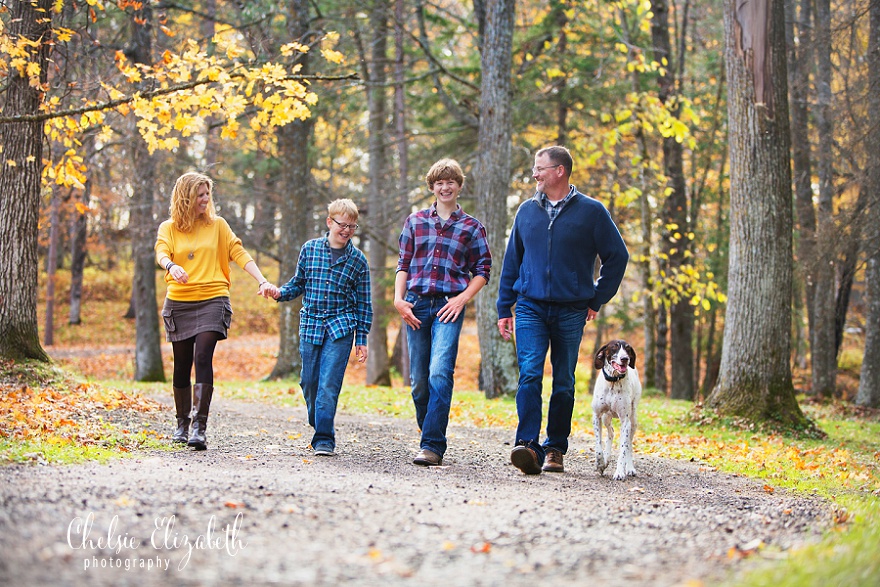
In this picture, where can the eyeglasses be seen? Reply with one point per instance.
(537, 169)
(343, 225)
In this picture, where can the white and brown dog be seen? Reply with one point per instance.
(617, 394)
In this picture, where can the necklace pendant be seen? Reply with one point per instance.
(190, 256)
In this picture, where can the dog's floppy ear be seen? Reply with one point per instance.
(632, 356)
(599, 359)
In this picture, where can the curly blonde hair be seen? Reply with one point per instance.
(184, 197)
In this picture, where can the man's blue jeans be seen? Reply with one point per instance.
(323, 367)
(433, 349)
(539, 326)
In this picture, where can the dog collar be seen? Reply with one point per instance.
(612, 378)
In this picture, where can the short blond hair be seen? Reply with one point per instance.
(445, 169)
(343, 206)
(184, 197)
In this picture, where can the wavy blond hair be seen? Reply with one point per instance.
(184, 197)
(445, 169)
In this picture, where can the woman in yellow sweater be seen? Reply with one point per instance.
(195, 247)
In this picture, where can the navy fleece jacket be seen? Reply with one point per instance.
(553, 262)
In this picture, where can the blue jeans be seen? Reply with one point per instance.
(539, 326)
(323, 367)
(433, 349)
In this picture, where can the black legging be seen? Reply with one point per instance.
(202, 346)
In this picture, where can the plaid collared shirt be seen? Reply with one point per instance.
(553, 211)
(440, 257)
(337, 295)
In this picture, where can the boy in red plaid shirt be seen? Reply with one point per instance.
(444, 261)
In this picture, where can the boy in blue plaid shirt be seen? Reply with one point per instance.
(335, 278)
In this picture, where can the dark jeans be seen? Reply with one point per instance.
(539, 326)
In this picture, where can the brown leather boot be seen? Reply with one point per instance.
(182, 406)
(202, 394)
(553, 461)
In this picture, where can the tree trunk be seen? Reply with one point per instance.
(498, 368)
(799, 58)
(51, 267)
(755, 377)
(400, 356)
(849, 265)
(869, 381)
(20, 172)
(823, 357)
(378, 365)
(208, 28)
(297, 207)
(142, 224)
(647, 258)
(661, 342)
(78, 236)
(675, 209)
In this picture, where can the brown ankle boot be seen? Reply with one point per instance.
(202, 394)
(182, 406)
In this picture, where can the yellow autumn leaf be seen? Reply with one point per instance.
(288, 49)
(333, 56)
(623, 114)
(63, 34)
(230, 131)
(234, 52)
(19, 64)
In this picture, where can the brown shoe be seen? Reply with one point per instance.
(553, 461)
(526, 460)
(426, 458)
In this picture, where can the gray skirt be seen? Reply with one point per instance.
(184, 320)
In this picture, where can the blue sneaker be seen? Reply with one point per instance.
(324, 450)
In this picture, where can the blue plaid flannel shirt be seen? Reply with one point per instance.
(337, 295)
(553, 211)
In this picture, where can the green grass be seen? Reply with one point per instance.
(50, 416)
(46, 451)
(109, 443)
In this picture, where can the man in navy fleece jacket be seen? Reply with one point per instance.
(548, 275)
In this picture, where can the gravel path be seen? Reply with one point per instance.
(257, 508)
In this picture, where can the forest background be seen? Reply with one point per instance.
(290, 105)
(747, 198)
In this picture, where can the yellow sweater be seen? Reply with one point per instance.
(212, 247)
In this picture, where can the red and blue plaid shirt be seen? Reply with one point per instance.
(440, 257)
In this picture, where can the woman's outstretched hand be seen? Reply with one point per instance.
(269, 291)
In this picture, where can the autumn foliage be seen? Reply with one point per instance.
(60, 411)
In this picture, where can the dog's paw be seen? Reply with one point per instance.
(619, 475)
(601, 464)
(630, 472)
